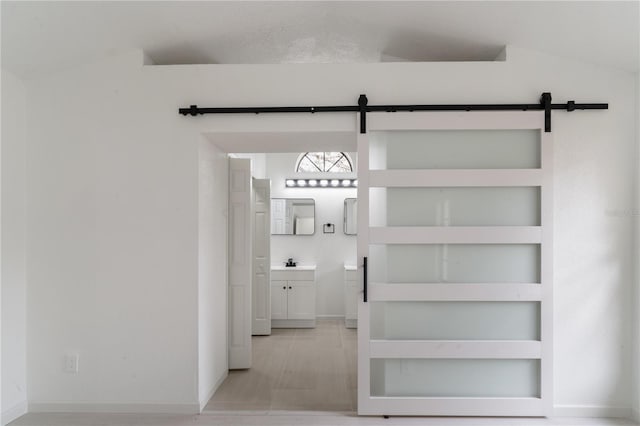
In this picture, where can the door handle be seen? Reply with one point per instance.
(364, 270)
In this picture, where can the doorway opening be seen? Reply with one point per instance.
(305, 359)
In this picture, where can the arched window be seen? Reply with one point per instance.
(332, 162)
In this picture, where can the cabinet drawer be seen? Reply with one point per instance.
(294, 275)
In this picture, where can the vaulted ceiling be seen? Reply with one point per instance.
(40, 36)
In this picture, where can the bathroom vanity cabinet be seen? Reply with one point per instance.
(293, 297)
(350, 296)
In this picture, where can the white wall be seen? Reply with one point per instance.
(212, 270)
(328, 252)
(14, 382)
(593, 244)
(112, 198)
(112, 243)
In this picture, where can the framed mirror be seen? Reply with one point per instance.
(293, 216)
(350, 216)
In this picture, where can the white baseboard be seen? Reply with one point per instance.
(10, 414)
(329, 316)
(20, 409)
(108, 407)
(216, 385)
(591, 411)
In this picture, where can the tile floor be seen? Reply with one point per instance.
(295, 370)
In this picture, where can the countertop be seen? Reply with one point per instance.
(293, 268)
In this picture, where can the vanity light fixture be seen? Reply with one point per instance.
(322, 183)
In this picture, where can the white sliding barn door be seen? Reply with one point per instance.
(261, 291)
(240, 259)
(454, 219)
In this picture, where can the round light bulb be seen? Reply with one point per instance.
(335, 182)
(324, 182)
(346, 182)
(301, 182)
(313, 182)
(290, 182)
(355, 182)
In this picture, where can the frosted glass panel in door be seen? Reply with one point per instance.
(455, 320)
(489, 378)
(454, 263)
(455, 206)
(455, 149)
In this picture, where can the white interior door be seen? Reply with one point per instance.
(278, 215)
(240, 260)
(261, 291)
(455, 224)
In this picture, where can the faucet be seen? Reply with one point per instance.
(290, 262)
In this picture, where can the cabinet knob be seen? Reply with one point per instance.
(284, 288)
(289, 287)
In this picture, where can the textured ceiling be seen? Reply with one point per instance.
(40, 36)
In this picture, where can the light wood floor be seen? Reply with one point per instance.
(295, 370)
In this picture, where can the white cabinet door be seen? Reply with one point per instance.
(302, 300)
(278, 299)
(350, 300)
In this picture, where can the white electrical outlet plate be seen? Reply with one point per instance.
(71, 363)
